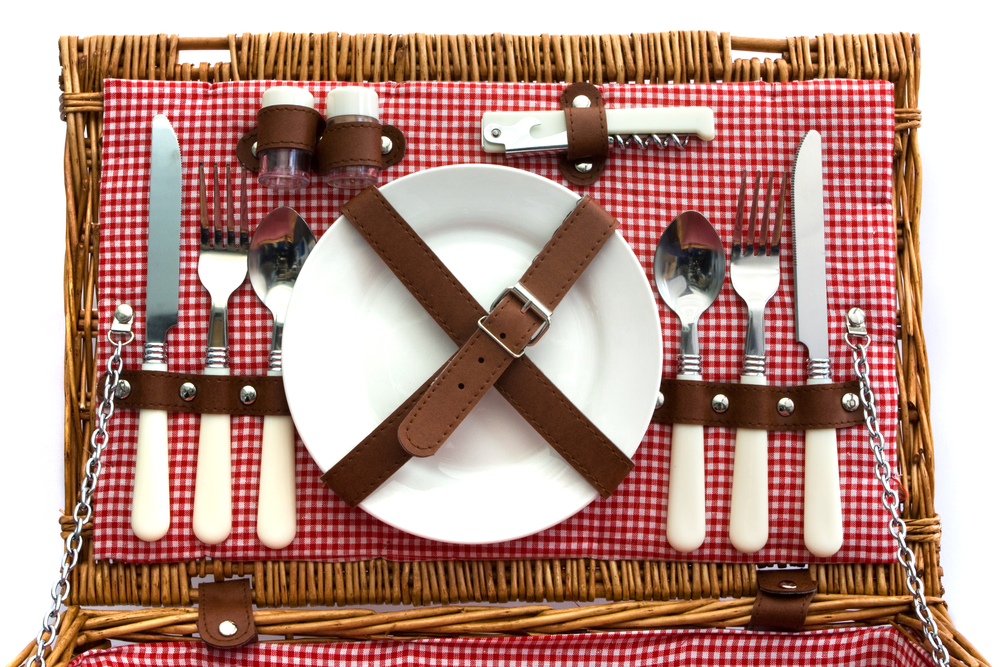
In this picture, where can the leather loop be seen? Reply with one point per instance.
(783, 598)
(246, 151)
(523, 385)
(355, 143)
(398, 139)
(586, 135)
(214, 394)
(225, 614)
(511, 325)
(288, 126)
(817, 406)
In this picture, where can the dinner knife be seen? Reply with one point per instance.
(822, 521)
(151, 484)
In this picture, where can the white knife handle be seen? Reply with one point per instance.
(213, 503)
(686, 493)
(276, 493)
(748, 510)
(822, 521)
(151, 484)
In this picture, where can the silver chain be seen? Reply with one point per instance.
(119, 336)
(858, 340)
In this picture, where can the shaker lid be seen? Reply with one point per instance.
(287, 95)
(352, 101)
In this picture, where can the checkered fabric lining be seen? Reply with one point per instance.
(875, 647)
(758, 126)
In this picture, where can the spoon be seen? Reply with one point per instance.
(278, 250)
(689, 268)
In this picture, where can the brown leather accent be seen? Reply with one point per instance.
(288, 126)
(245, 151)
(218, 394)
(783, 598)
(356, 143)
(398, 145)
(228, 602)
(523, 385)
(752, 406)
(586, 134)
(481, 359)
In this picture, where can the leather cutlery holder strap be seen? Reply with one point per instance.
(218, 394)
(750, 406)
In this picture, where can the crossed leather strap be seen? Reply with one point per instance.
(490, 349)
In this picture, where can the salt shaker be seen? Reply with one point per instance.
(351, 104)
(285, 168)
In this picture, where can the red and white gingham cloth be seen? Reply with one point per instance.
(873, 647)
(758, 126)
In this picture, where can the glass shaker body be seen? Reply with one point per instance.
(285, 168)
(352, 104)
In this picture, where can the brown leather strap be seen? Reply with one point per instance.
(586, 134)
(523, 385)
(225, 613)
(288, 126)
(783, 598)
(357, 143)
(219, 394)
(507, 331)
(816, 406)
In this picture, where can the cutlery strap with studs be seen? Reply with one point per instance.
(517, 320)
(523, 385)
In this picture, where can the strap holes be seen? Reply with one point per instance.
(461, 385)
(481, 360)
(503, 335)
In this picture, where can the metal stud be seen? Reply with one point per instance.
(248, 395)
(786, 406)
(584, 167)
(123, 313)
(188, 391)
(850, 402)
(659, 399)
(253, 149)
(228, 629)
(720, 403)
(386, 145)
(123, 389)
(787, 584)
(581, 102)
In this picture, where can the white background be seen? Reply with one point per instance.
(957, 145)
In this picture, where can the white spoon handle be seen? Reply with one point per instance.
(276, 495)
(213, 505)
(151, 484)
(686, 493)
(822, 520)
(748, 511)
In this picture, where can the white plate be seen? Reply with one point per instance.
(357, 344)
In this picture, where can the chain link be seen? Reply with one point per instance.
(119, 336)
(858, 340)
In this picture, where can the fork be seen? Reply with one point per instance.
(222, 268)
(755, 272)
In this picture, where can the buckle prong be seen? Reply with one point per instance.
(530, 302)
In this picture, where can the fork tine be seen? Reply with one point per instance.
(738, 223)
(216, 207)
(751, 243)
(244, 224)
(206, 234)
(230, 221)
(766, 220)
(776, 236)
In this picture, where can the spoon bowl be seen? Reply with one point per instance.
(689, 268)
(278, 250)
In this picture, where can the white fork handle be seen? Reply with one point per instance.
(213, 502)
(276, 493)
(748, 510)
(151, 484)
(822, 521)
(686, 493)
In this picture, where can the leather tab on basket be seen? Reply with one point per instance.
(783, 598)
(216, 394)
(523, 385)
(225, 613)
(817, 406)
(504, 334)
(586, 134)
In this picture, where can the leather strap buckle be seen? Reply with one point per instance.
(531, 303)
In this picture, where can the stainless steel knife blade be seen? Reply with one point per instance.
(151, 484)
(822, 516)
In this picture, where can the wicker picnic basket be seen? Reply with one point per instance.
(324, 600)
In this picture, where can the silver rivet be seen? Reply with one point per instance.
(188, 391)
(495, 133)
(248, 395)
(720, 403)
(787, 584)
(581, 102)
(850, 402)
(856, 316)
(123, 313)
(659, 399)
(253, 149)
(228, 629)
(123, 389)
(584, 167)
(786, 406)
(386, 145)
